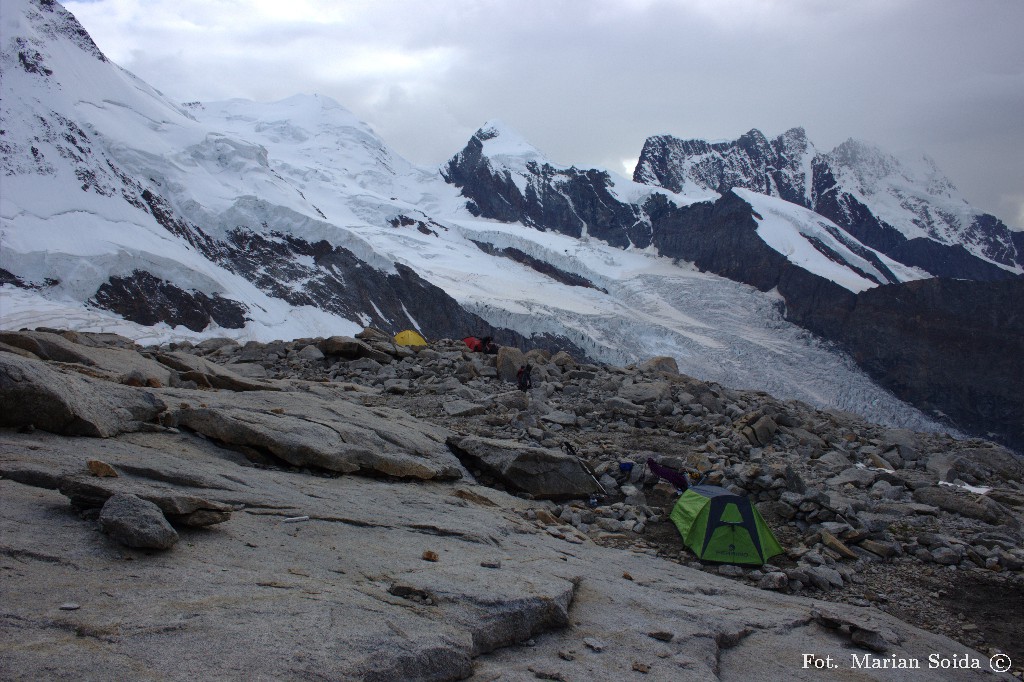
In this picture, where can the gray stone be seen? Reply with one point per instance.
(542, 472)
(335, 435)
(623, 406)
(563, 360)
(834, 458)
(509, 360)
(310, 353)
(662, 363)
(135, 522)
(869, 639)
(775, 580)
(561, 418)
(647, 392)
(883, 549)
(971, 506)
(117, 363)
(764, 430)
(776, 510)
(343, 346)
(463, 408)
(861, 478)
(397, 386)
(946, 556)
(211, 375)
(62, 401)
(514, 400)
(89, 492)
(824, 578)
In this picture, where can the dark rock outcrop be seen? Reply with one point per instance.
(567, 201)
(947, 346)
(146, 299)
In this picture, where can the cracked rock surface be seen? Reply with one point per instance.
(346, 541)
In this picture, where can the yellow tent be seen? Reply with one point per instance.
(409, 338)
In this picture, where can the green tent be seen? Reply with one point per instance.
(720, 526)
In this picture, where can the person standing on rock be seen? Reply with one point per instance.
(524, 378)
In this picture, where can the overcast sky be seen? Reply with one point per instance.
(586, 81)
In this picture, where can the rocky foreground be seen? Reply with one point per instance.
(348, 509)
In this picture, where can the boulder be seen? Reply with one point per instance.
(823, 577)
(563, 360)
(965, 504)
(513, 400)
(882, 549)
(623, 406)
(209, 374)
(834, 458)
(561, 418)
(837, 545)
(310, 352)
(342, 346)
(861, 478)
(509, 360)
(349, 348)
(763, 431)
(61, 401)
(661, 363)
(646, 392)
(136, 522)
(541, 472)
(373, 334)
(776, 580)
(463, 408)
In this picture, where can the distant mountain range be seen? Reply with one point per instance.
(906, 209)
(124, 212)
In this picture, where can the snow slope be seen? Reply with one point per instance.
(817, 245)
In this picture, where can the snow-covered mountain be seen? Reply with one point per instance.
(124, 212)
(505, 178)
(903, 207)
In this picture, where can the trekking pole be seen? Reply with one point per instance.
(571, 451)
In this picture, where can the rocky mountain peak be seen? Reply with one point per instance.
(505, 146)
(50, 20)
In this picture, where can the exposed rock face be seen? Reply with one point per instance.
(143, 298)
(567, 201)
(775, 167)
(32, 392)
(342, 437)
(111, 356)
(944, 345)
(367, 577)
